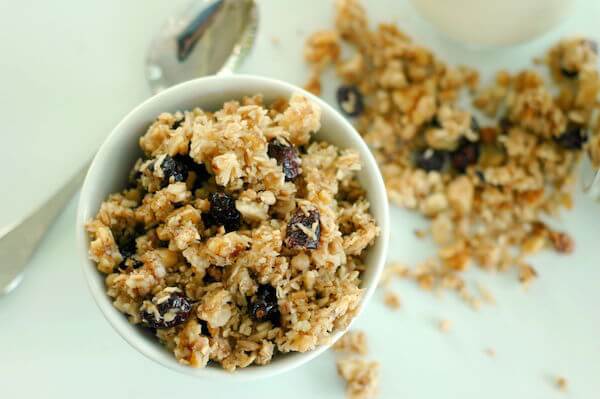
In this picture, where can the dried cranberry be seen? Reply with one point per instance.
(572, 138)
(304, 230)
(286, 156)
(167, 309)
(199, 169)
(174, 170)
(127, 247)
(263, 305)
(430, 160)
(223, 212)
(466, 154)
(435, 122)
(350, 100)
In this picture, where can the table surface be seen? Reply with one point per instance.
(71, 70)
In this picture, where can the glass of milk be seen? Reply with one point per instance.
(494, 22)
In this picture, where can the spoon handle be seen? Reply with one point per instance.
(18, 241)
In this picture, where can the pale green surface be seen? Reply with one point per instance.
(71, 70)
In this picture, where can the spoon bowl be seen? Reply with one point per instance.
(208, 37)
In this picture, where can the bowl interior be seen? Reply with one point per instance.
(109, 170)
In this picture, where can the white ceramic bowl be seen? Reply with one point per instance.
(108, 173)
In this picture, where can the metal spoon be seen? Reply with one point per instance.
(209, 37)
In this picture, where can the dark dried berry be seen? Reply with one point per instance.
(570, 74)
(480, 175)
(178, 123)
(167, 309)
(128, 264)
(304, 230)
(223, 212)
(466, 154)
(134, 178)
(127, 246)
(435, 122)
(505, 124)
(204, 327)
(572, 138)
(199, 169)
(286, 156)
(350, 100)
(174, 170)
(264, 305)
(430, 160)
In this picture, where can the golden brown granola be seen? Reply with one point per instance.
(352, 342)
(239, 236)
(362, 377)
(484, 188)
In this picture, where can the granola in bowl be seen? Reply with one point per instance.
(239, 235)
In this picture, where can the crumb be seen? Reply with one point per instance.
(486, 295)
(444, 325)
(352, 342)
(392, 300)
(562, 242)
(420, 233)
(362, 377)
(275, 40)
(490, 352)
(561, 383)
(527, 274)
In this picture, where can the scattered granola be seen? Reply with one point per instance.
(239, 237)
(485, 188)
(352, 342)
(362, 377)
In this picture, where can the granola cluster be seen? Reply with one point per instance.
(486, 187)
(238, 236)
(360, 374)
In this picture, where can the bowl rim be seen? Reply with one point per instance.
(131, 333)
